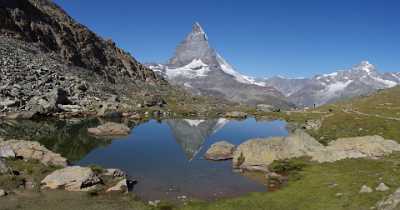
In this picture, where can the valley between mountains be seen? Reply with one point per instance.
(85, 125)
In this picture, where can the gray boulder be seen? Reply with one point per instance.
(259, 153)
(32, 150)
(366, 189)
(220, 151)
(73, 178)
(382, 187)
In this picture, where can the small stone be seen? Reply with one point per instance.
(365, 189)
(154, 203)
(339, 194)
(382, 187)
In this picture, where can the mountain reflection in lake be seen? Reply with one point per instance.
(167, 158)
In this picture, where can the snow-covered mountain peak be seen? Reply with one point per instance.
(365, 66)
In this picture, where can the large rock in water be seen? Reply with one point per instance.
(73, 178)
(259, 153)
(220, 151)
(110, 129)
(34, 151)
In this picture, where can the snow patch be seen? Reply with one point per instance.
(387, 83)
(196, 68)
(337, 86)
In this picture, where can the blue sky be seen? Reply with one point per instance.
(259, 37)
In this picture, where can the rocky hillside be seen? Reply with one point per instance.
(44, 23)
(49, 62)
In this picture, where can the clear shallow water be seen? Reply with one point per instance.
(167, 157)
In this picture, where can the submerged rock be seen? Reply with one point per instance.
(220, 151)
(32, 150)
(110, 129)
(73, 178)
(259, 153)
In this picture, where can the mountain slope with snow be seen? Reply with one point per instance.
(200, 69)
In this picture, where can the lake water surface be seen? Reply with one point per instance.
(167, 158)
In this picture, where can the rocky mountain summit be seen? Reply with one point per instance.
(49, 62)
(200, 69)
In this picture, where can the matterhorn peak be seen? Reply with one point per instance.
(197, 33)
(196, 28)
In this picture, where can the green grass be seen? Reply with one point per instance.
(315, 191)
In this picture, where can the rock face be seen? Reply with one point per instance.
(259, 153)
(220, 151)
(197, 67)
(110, 129)
(34, 151)
(73, 178)
(391, 203)
(48, 60)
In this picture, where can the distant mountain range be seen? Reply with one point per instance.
(199, 68)
(361, 79)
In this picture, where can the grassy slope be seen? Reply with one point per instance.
(314, 191)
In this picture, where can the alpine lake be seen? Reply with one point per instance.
(164, 156)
